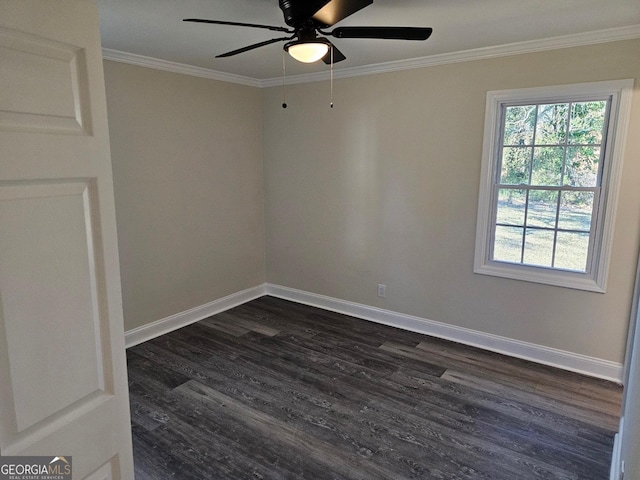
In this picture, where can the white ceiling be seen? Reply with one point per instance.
(154, 28)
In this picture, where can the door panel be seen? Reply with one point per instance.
(63, 384)
(54, 100)
(40, 222)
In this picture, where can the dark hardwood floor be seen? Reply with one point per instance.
(278, 390)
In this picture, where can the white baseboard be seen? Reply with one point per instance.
(591, 366)
(583, 364)
(616, 456)
(182, 319)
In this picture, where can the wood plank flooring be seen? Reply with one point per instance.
(278, 390)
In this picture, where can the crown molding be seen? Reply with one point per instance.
(174, 67)
(518, 48)
(567, 41)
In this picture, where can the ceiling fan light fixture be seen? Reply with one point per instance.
(307, 51)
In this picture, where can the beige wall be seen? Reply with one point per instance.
(384, 189)
(187, 167)
(381, 189)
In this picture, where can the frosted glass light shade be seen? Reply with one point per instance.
(308, 52)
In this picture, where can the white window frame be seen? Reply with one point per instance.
(595, 278)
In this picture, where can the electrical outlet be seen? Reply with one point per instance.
(381, 290)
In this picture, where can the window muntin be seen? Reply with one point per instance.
(548, 183)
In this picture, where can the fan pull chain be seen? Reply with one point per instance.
(284, 76)
(331, 104)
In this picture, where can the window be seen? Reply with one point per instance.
(551, 166)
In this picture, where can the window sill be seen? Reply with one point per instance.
(557, 278)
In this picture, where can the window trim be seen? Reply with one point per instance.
(595, 279)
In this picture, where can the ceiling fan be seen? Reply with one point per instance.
(306, 34)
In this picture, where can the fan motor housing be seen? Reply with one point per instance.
(297, 11)
(289, 11)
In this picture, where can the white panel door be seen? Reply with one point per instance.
(63, 383)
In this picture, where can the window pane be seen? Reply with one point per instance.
(547, 166)
(543, 205)
(508, 244)
(511, 205)
(581, 169)
(587, 122)
(538, 247)
(576, 210)
(551, 128)
(516, 163)
(572, 250)
(518, 125)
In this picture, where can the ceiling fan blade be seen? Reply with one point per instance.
(239, 24)
(251, 47)
(337, 10)
(338, 56)
(389, 33)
